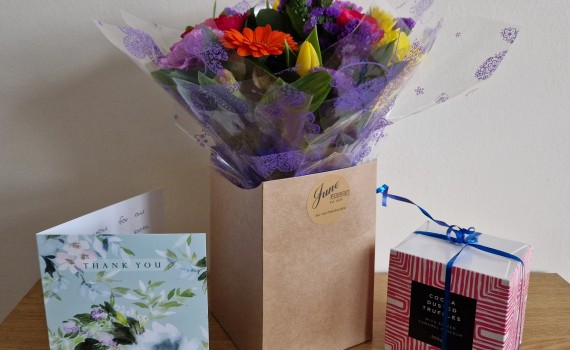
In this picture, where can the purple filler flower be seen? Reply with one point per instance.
(347, 5)
(406, 23)
(107, 340)
(332, 11)
(70, 327)
(98, 314)
(282, 5)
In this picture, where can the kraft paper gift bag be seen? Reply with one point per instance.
(291, 262)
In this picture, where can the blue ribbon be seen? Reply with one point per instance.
(456, 235)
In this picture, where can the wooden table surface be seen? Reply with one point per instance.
(547, 323)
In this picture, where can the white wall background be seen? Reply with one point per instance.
(81, 128)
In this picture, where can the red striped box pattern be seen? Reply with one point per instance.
(499, 295)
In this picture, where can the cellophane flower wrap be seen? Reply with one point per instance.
(304, 86)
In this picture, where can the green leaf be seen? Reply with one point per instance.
(170, 254)
(84, 318)
(203, 276)
(87, 344)
(189, 240)
(141, 305)
(384, 54)
(165, 76)
(272, 92)
(296, 21)
(112, 300)
(251, 22)
(290, 57)
(276, 20)
(187, 293)
(194, 256)
(204, 80)
(121, 318)
(100, 274)
(169, 266)
(134, 324)
(109, 308)
(156, 284)
(317, 84)
(123, 335)
(170, 294)
(121, 290)
(128, 251)
(313, 38)
(201, 263)
(139, 292)
(170, 304)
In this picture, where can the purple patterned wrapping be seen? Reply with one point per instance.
(258, 127)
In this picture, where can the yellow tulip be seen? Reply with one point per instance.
(276, 4)
(307, 59)
(403, 46)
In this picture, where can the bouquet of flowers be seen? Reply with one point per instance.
(303, 86)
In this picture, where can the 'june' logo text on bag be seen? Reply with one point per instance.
(328, 199)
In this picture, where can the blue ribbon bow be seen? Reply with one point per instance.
(456, 235)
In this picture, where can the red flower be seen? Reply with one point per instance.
(225, 22)
(347, 15)
(188, 30)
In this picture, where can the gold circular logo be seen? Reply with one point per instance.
(328, 199)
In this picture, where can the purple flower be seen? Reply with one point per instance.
(331, 28)
(196, 48)
(405, 23)
(317, 11)
(347, 5)
(70, 327)
(409, 22)
(310, 24)
(107, 340)
(349, 27)
(309, 3)
(230, 11)
(282, 5)
(332, 11)
(186, 52)
(98, 314)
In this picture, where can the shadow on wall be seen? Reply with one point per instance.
(75, 146)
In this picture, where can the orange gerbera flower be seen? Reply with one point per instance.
(259, 42)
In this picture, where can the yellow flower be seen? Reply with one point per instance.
(386, 22)
(307, 59)
(276, 4)
(403, 46)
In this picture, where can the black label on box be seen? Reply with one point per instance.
(426, 317)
